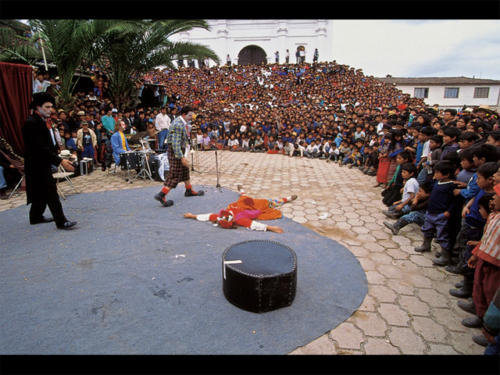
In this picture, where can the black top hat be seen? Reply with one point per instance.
(40, 98)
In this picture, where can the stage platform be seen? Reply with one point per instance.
(138, 278)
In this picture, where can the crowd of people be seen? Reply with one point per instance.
(438, 168)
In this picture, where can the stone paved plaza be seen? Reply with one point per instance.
(407, 310)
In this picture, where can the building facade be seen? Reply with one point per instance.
(450, 92)
(256, 41)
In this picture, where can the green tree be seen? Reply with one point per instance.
(69, 42)
(17, 48)
(130, 49)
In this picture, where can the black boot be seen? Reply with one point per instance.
(456, 269)
(426, 246)
(480, 340)
(460, 284)
(191, 193)
(467, 306)
(466, 290)
(396, 226)
(160, 197)
(3, 194)
(444, 259)
(472, 322)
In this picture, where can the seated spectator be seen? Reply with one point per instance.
(272, 147)
(333, 153)
(344, 150)
(393, 191)
(233, 143)
(245, 143)
(418, 207)
(312, 150)
(119, 142)
(410, 189)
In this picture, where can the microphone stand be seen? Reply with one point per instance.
(217, 170)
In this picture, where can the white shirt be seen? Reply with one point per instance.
(411, 186)
(426, 151)
(233, 142)
(380, 126)
(162, 122)
(311, 148)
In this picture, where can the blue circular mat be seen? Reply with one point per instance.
(138, 278)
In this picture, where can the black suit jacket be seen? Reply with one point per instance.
(40, 155)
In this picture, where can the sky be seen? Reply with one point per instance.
(414, 48)
(419, 48)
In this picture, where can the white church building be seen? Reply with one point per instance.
(256, 41)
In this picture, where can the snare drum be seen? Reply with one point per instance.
(130, 160)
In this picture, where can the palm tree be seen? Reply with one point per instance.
(16, 48)
(131, 48)
(69, 42)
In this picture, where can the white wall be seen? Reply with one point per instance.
(231, 36)
(465, 96)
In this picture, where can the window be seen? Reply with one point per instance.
(451, 92)
(421, 92)
(481, 92)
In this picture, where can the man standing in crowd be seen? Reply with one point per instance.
(108, 122)
(41, 153)
(449, 117)
(177, 141)
(316, 55)
(162, 124)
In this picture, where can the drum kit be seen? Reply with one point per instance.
(138, 160)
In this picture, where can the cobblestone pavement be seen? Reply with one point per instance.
(407, 310)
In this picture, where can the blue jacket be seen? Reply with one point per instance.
(116, 143)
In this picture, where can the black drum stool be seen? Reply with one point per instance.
(259, 275)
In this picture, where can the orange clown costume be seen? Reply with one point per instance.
(244, 213)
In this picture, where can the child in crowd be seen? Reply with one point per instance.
(440, 205)
(245, 144)
(351, 157)
(473, 225)
(417, 213)
(333, 153)
(393, 191)
(344, 149)
(435, 143)
(312, 150)
(410, 189)
(233, 143)
(206, 142)
(485, 260)
(288, 148)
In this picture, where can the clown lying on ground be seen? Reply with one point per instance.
(244, 211)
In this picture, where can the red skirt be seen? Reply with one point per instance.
(383, 170)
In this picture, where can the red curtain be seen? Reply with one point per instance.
(15, 96)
